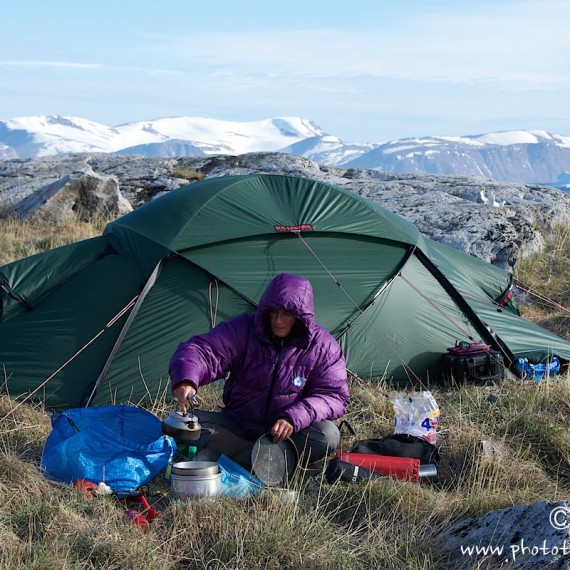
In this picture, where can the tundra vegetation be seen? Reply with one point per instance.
(369, 524)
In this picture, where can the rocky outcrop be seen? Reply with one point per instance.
(82, 195)
(524, 536)
(499, 223)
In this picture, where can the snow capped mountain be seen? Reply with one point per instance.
(48, 135)
(328, 149)
(220, 137)
(507, 138)
(509, 156)
(52, 135)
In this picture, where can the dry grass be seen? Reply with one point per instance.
(19, 240)
(545, 276)
(189, 174)
(372, 524)
(359, 526)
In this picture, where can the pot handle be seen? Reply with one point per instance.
(193, 401)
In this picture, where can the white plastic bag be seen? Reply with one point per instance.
(416, 414)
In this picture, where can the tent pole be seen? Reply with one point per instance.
(384, 286)
(479, 325)
(147, 287)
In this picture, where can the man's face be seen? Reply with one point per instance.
(281, 322)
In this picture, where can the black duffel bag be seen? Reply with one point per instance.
(399, 445)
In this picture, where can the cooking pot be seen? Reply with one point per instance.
(195, 479)
(182, 427)
(195, 486)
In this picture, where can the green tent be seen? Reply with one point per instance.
(95, 322)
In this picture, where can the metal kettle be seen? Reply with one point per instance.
(182, 427)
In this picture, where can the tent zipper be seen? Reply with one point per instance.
(5, 287)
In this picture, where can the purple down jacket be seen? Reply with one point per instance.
(301, 378)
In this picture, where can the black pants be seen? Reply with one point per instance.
(313, 443)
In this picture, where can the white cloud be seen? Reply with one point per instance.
(63, 64)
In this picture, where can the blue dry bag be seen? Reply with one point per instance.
(119, 445)
(537, 371)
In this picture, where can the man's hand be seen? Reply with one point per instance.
(183, 392)
(282, 429)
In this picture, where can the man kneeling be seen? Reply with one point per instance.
(286, 376)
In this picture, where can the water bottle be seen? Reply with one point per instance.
(416, 415)
(522, 296)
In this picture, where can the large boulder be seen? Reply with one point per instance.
(529, 536)
(83, 195)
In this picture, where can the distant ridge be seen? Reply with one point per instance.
(511, 156)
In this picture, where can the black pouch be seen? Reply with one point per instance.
(399, 445)
(342, 470)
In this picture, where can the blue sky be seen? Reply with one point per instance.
(365, 70)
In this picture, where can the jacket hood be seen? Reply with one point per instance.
(290, 293)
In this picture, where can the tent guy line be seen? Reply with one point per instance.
(409, 371)
(541, 297)
(438, 309)
(115, 319)
(361, 311)
(213, 310)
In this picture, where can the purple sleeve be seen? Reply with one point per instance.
(207, 357)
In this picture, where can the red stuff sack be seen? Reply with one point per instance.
(404, 468)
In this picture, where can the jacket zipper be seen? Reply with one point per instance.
(273, 378)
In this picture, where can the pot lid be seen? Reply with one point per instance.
(195, 468)
(274, 463)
